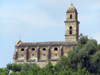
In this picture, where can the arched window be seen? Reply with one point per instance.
(55, 49)
(33, 49)
(44, 55)
(32, 55)
(44, 49)
(71, 16)
(70, 30)
(22, 55)
(22, 49)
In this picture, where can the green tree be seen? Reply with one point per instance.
(26, 66)
(22, 72)
(34, 70)
(16, 67)
(96, 62)
(9, 66)
(98, 48)
(49, 68)
(82, 39)
(96, 57)
(81, 54)
(13, 73)
(82, 72)
(4, 71)
(42, 71)
(64, 61)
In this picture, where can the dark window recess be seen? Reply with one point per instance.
(55, 55)
(70, 16)
(33, 49)
(22, 49)
(70, 30)
(55, 49)
(32, 55)
(22, 55)
(44, 55)
(44, 49)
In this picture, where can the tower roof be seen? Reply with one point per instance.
(71, 9)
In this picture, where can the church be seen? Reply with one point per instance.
(41, 52)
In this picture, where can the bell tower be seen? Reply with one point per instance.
(71, 24)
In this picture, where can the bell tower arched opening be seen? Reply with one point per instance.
(71, 16)
(70, 30)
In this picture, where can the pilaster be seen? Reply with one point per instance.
(37, 53)
(48, 53)
(26, 54)
(60, 51)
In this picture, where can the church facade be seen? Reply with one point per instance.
(41, 52)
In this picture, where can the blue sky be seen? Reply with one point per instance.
(42, 20)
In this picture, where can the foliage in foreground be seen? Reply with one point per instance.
(51, 70)
(85, 54)
(4, 71)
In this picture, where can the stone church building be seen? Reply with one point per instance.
(41, 52)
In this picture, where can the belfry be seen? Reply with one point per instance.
(41, 52)
(71, 24)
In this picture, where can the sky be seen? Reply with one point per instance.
(42, 20)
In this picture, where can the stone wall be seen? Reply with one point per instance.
(40, 55)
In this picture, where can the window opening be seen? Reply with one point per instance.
(55, 55)
(22, 49)
(71, 16)
(55, 49)
(44, 49)
(70, 30)
(22, 55)
(33, 49)
(44, 55)
(32, 55)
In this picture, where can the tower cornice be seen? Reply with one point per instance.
(71, 21)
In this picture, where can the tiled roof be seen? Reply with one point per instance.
(51, 43)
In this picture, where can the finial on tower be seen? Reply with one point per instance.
(71, 3)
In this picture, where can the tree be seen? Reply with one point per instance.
(16, 67)
(96, 57)
(64, 61)
(9, 66)
(4, 71)
(82, 39)
(49, 68)
(26, 66)
(81, 54)
(22, 72)
(34, 70)
(82, 72)
(98, 48)
(13, 73)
